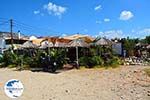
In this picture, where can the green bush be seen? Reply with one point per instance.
(29, 61)
(9, 58)
(112, 62)
(91, 61)
(58, 56)
(95, 60)
(147, 71)
(1, 58)
(83, 61)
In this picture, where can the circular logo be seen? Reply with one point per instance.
(13, 88)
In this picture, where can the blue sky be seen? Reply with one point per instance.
(110, 18)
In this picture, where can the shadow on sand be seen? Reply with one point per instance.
(64, 69)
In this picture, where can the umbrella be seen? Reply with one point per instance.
(78, 43)
(103, 42)
(28, 44)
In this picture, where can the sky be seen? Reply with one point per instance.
(105, 18)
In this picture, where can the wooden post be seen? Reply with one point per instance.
(77, 57)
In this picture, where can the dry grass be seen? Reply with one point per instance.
(147, 71)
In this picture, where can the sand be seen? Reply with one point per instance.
(124, 83)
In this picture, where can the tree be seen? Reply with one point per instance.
(129, 45)
(147, 39)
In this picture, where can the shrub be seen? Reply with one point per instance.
(91, 61)
(113, 62)
(29, 61)
(9, 58)
(58, 56)
(95, 60)
(147, 71)
(83, 61)
(1, 58)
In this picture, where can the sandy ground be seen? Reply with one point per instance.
(125, 83)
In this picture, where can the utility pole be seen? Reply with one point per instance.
(11, 32)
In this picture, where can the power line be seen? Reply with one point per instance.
(4, 22)
(30, 30)
(35, 28)
(26, 27)
(3, 19)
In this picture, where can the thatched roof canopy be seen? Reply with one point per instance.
(103, 42)
(78, 43)
(28, 44)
